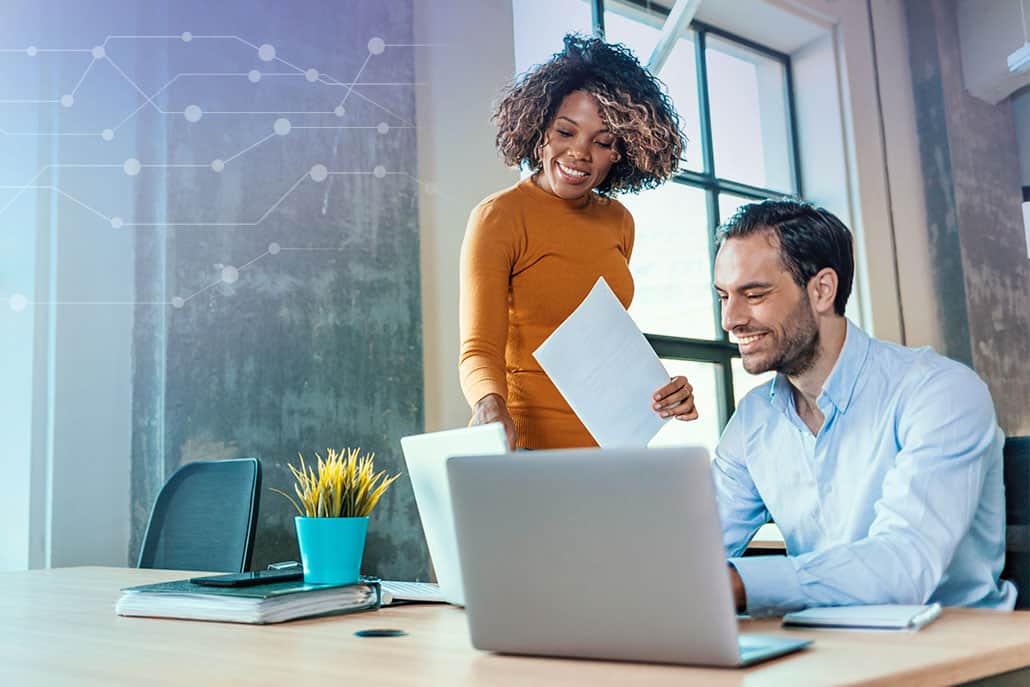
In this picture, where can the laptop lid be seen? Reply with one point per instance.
(425, 456)
(612, 554)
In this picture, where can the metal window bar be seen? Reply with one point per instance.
(597, 18)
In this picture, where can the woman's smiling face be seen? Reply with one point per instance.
(578, 151)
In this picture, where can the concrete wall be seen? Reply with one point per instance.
(67, 281)
(166, 308)
(970, 164)
(1021, 114)
(295, 312)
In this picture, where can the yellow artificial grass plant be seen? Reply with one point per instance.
(343, 486)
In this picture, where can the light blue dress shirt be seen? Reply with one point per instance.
(898, 499)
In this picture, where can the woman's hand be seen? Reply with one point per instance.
(492, 408)
(676, 399)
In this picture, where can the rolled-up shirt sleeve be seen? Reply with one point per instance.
(945, 432)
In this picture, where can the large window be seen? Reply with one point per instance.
(734, 101)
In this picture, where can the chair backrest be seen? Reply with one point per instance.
(1017, 517)
(205, 518)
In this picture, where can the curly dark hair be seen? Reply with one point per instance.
(633, 105)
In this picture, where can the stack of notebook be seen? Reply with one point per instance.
(259, 604)
(878, 617)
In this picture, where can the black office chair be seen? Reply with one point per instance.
(205, 518)
(1017, 517)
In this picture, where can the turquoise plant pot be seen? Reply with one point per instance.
(331, 548)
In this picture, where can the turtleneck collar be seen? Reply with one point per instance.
(529, 185)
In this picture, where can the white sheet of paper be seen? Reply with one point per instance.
(606, 370)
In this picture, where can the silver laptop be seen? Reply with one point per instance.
(426, 456)
(608, 554)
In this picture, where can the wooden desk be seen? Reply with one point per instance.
(58, 627)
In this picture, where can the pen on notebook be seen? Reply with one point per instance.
(922, 618)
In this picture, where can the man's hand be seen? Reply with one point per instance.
(492, 408)
(739, 595)
(675, 399)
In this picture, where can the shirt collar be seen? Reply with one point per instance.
(840, 385)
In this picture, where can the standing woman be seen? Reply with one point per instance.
(591, 122)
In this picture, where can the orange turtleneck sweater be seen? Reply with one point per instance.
(528, 260)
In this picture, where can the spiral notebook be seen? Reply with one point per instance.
(258, 604)
(877, 617)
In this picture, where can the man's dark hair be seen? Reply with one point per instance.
(810, 239)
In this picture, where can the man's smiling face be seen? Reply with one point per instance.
(763, 308)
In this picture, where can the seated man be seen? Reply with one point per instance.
(881, 464)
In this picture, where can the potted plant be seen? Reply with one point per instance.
(334, 501)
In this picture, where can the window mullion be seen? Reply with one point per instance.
(597, 18)
(724, 389)
(713, 214)
(747, 190)
(703, 105)
(691, 349)
(702, 180)
(792, 130)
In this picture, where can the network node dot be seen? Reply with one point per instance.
(379, 171)
(254, 75)
(193, 113)
(178, 302)
(98, 52)
(217, 165)
(274, 248)
(107, 134)
(319, 173)
(132, 166)
(266, 53)
(311, 75)
(117, 223)
(339, 111)
(383, 127)
(230, 274)
(31, 51)
(186, 36)
(376, 45)
(67, 100)
(281, 127)
(18, 302)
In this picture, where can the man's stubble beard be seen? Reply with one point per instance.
(800, 345)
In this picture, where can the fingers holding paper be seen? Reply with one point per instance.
(675, 399)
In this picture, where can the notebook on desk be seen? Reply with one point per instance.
(258, 604)
(876, 617)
